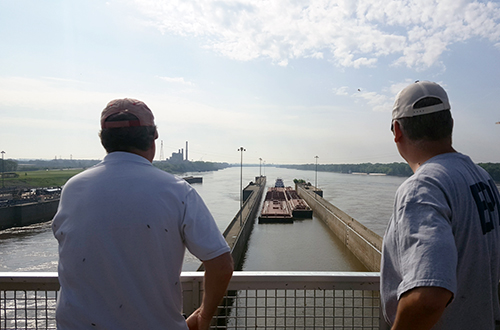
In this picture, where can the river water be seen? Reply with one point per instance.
(305, 245)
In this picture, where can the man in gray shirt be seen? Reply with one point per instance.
(441, 253)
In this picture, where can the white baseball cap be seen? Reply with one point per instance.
(407, 99)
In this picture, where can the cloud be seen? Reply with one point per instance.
(378, 102)
(342, 91)
(349, 33)
(177, 80)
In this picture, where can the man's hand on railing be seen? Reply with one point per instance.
(218, 272)
(197, 321)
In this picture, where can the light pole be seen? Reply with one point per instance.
(316, 179)
(241, 149)
(260, 167)
(3, 169)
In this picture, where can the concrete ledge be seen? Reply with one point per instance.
(361, 241)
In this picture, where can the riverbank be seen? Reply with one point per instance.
(40, 178)
(30, 179)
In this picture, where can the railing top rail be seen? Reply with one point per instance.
(283, 280)
(241, 276)
(237, 275)
(28, 276)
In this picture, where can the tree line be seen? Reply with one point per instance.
(397, 169)
(493, 169)
(187, 166)
(171, 167)
(8, 165)
(53, 164)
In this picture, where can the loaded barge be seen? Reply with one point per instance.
(283, 205)
(300, 209)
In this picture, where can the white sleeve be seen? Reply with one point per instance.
(200, 232)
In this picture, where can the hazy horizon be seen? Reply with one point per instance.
(229, 163)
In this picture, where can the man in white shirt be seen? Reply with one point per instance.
(123, 226)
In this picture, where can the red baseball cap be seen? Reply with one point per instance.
(137, 108)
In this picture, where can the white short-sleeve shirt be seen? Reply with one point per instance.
(122, 227)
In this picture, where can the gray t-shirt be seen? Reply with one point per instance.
(445, 232)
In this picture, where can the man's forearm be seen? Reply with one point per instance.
(421, 308)
(218, 272)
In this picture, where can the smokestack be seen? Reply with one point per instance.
(187, 150)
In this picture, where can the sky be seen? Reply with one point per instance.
(285, 80)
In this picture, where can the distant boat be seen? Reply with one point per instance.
(194, 179)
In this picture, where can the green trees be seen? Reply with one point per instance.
(187, 166)
(397, 169)
(493, 169)
(8, 165)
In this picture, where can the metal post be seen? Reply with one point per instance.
(260, 167)
(3, 169)
(316, 178)
(241, 149)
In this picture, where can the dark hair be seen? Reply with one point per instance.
(127, 138)
(430, 127)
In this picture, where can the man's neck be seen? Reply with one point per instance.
(422, 151)
(149, 154)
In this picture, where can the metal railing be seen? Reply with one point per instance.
(255, 300)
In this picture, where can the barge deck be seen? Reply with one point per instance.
(283, 205)
(276, 207)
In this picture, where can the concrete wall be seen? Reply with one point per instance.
(361, 241)
(27, 214)
(237, 236)
(239, 229)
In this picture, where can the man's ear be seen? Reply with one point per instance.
(398, 133)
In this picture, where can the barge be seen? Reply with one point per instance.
(276, 207)
(300, 209)
(283, 205)
(193, 179)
